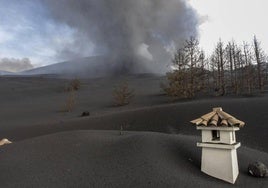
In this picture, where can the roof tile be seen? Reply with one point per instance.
(218, 118)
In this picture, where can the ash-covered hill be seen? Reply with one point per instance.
(95, 66)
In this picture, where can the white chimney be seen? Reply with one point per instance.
(219, 156)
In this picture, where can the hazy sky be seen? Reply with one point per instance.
(232, 19)
(27, 30)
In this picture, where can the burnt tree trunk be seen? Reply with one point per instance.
(259, 63)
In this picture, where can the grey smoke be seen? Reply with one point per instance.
(121, 29)
(15, 65)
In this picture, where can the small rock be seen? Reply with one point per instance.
(4, 141)
(257, 169)
(85, 113)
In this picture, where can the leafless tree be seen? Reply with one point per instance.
(189, 74)
(218, 63)
(235, 69)
(229, 53)
(249, 69)
(259, 58)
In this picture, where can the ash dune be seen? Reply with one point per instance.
(31, 107)
(148, 143)
(107, 159)
(55, 149)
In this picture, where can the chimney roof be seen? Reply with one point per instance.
(218, 118)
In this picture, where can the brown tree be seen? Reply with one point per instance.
(188, 76)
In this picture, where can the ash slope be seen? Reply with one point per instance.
(90, 67)
(95, 66)
(2, 73)
(107, 159)
(31, 106)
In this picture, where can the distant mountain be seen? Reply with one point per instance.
(83, 67)
(3, 73)
(96, 66)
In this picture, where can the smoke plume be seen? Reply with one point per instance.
(15, 65)
(129, 32)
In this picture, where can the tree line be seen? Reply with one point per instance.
(230, 69)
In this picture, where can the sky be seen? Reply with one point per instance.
(27, 30)
(232, 19)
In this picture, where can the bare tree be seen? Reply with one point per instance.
(218, 63)
(229, 53)
(193, 57)
(203, 71)
(179, 59)
(188, 76)
(122, 94)
(259, 58)
(233, 68)
(220, 52)
(249, 69)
